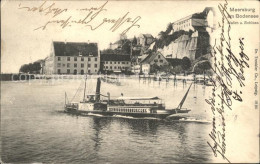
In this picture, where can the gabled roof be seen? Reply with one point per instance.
(150, 57)
(75, 49)
(147, 35)
(114, 57)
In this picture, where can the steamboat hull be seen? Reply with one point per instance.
(134, 115)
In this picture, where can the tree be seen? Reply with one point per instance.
(126, 47)
(166, 68)
(177, 69)
(162, 35)
(30, 68)
(134, 41)
(169, 28)
(202, 66)
(24, 68)
(36, 67)
(165, 39)
(108, 51)
(154, 68)
(186, 63)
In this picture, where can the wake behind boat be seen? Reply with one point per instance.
(125, 106)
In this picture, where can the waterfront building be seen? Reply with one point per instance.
(73, 58)
(154, 58)
(146, 62)
(115, 63)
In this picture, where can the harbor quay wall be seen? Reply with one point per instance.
(16, 77)
(108, 78)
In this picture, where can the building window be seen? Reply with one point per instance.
(68, 64)
(159, 56)
(89, 59)
(106, 62)
(82, 72)
(123, 62)
(82, 65)
(59, 64)
(95, 59)
(161, 61)
(114, 67)
(88, 71)
(126, 62)
(75, 65)
(95, 65)
(82, 59)
(110, 62)
(75, 71)
(68, 71)
(155, 60)
(68, 58)
(75, 58)
(63, 65)
(114, 62)
(89, 65)
(111, 67)
(95, 70)
(58, 71)
(58, 58)
(106, 67)
(119, 62)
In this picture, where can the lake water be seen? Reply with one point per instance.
(34, 127)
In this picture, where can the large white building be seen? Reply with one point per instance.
(195, 44)
(73, 58)
(197, 21)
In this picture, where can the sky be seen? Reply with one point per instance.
(22, 44)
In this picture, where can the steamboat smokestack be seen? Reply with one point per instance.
(98, 89)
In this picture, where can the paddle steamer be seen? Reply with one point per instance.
(123, 106)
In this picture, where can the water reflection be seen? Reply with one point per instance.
(97, 139)
(177, 140)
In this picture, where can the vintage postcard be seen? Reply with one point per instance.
(129, 81)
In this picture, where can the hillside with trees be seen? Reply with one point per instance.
(30, 68)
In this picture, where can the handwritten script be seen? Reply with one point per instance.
(229, 68)
(91, 17)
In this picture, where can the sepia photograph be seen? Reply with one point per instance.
(129, 81)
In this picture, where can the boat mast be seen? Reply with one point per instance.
(65, 98)
(85, 89)
(183, 99)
